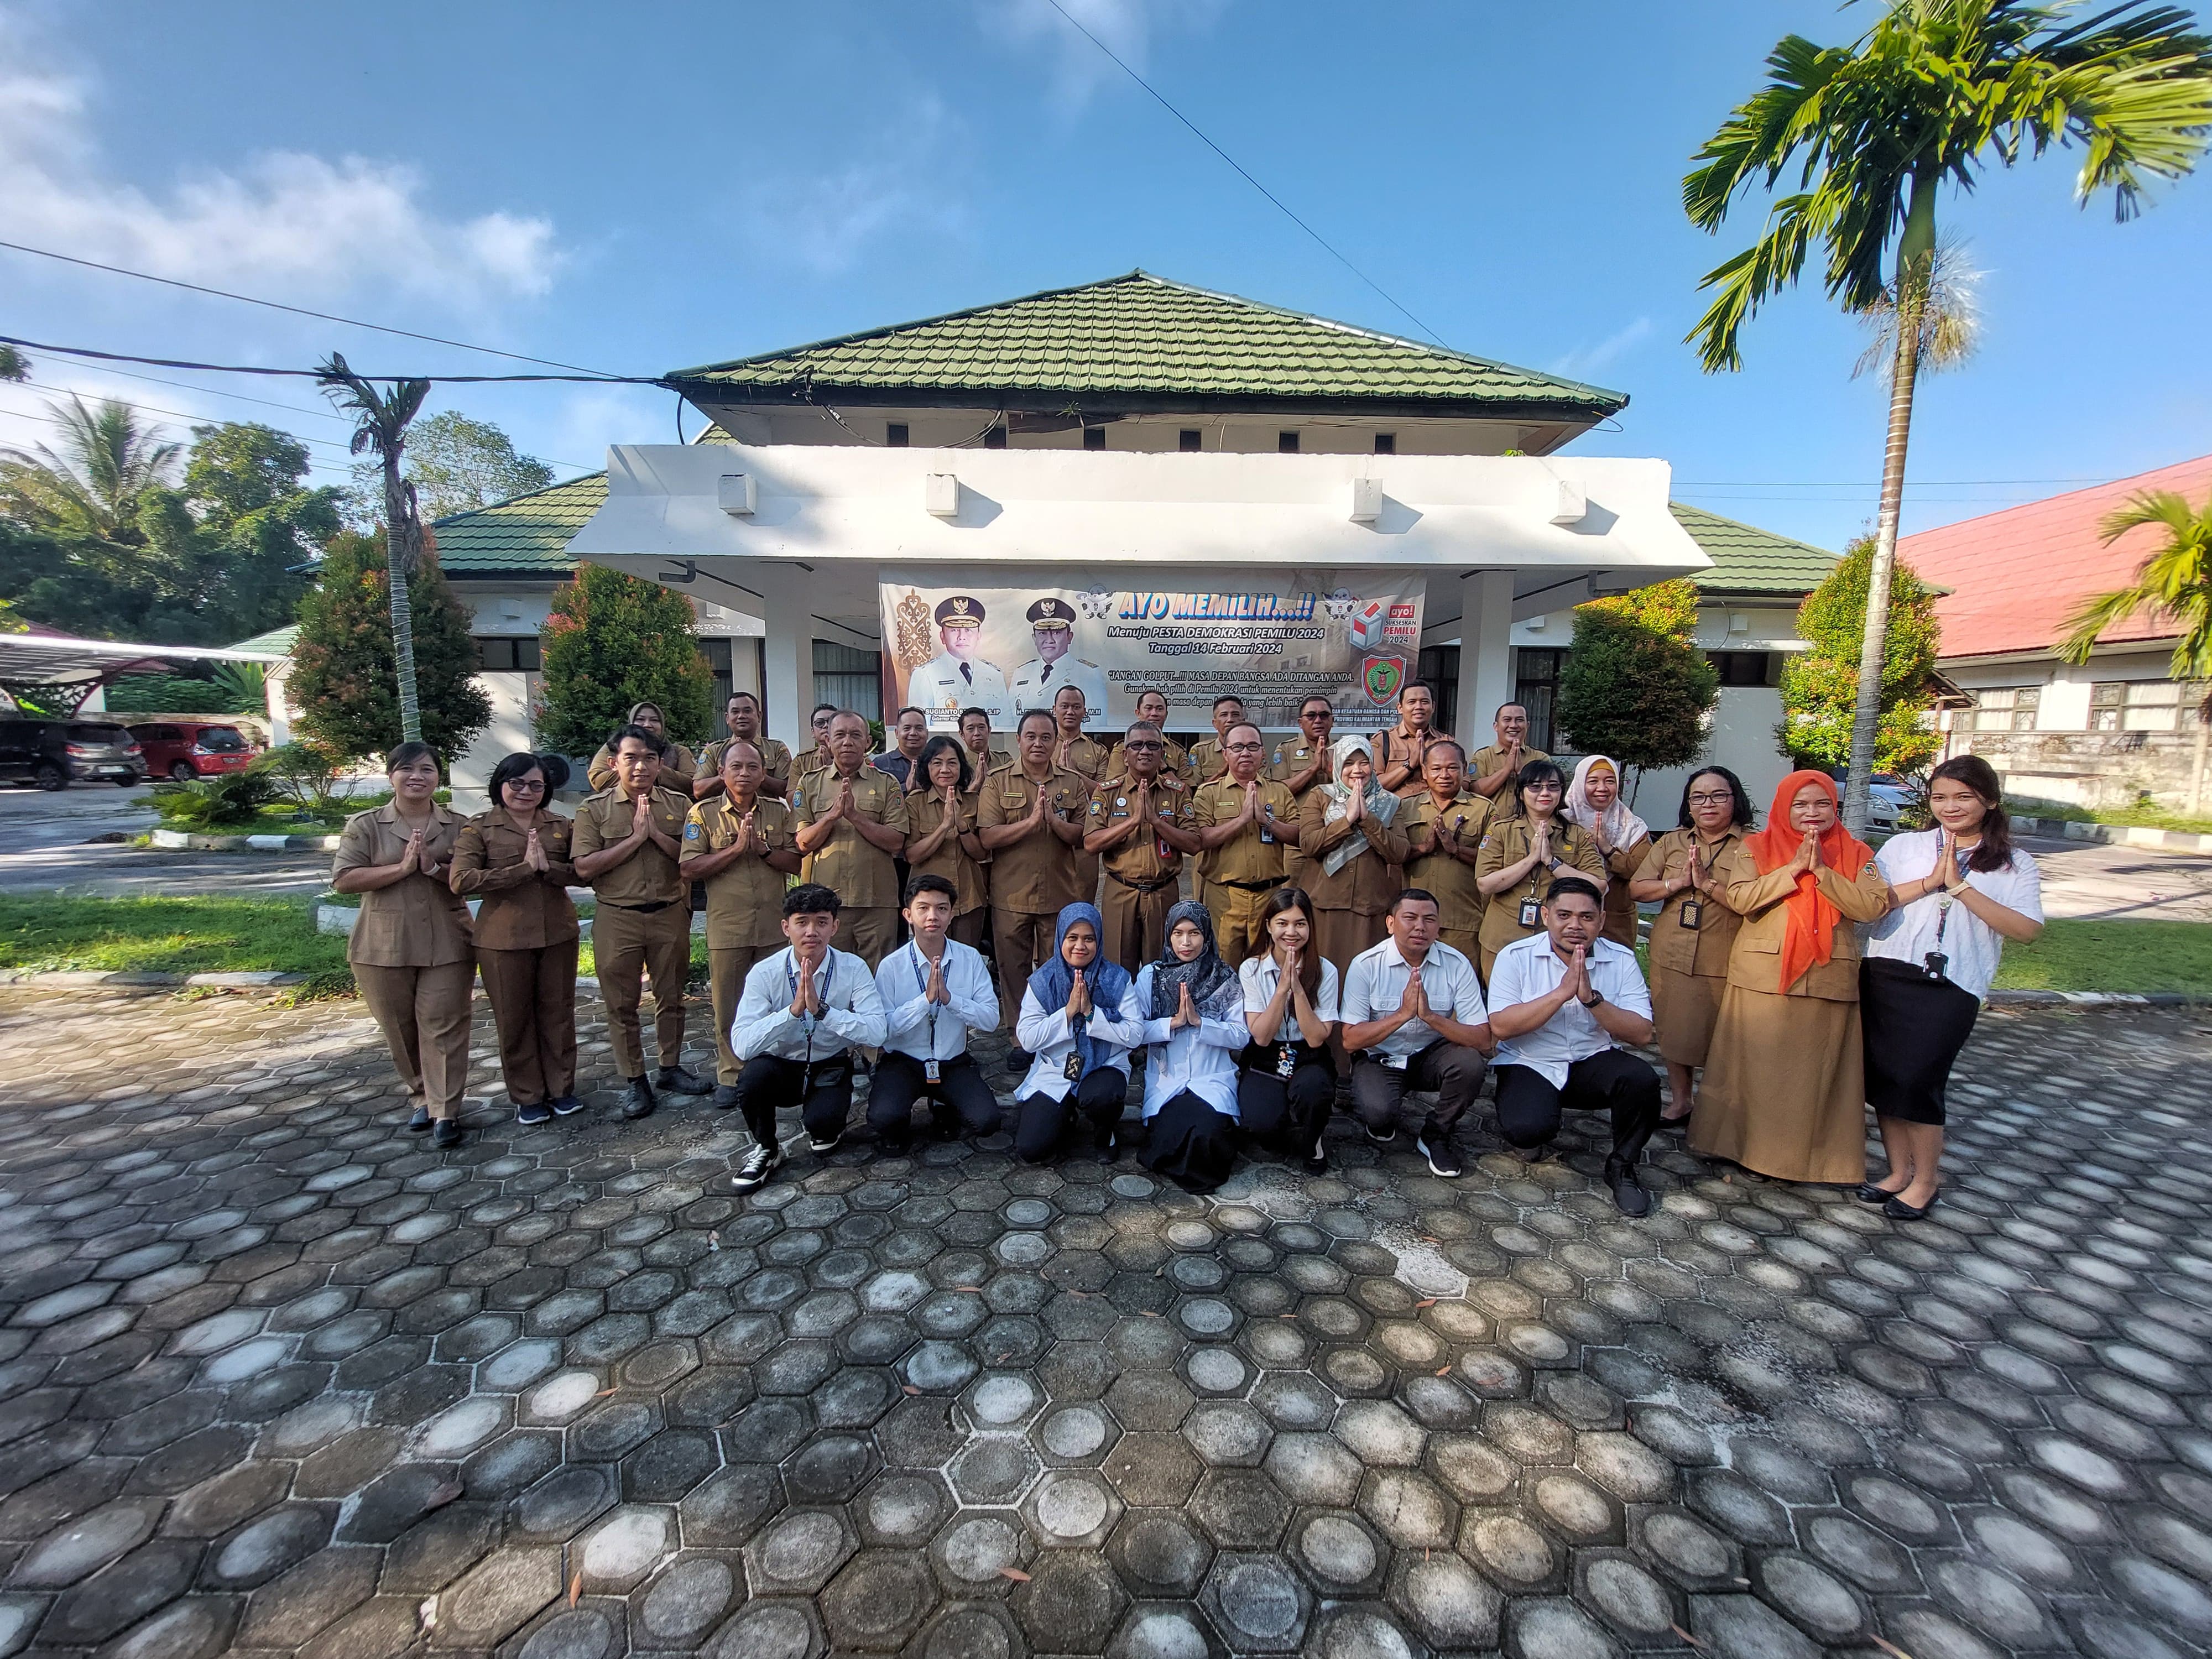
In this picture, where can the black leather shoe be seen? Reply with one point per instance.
(1867, 1193)
(1109, 1147)
(1627, 1192)
(637, 1099)
(726, 1097)
(678, 1081)
(1018, 1062)
(420, 1123)
(1898, 1209)
(447, 1133)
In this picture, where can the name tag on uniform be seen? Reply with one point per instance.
(1693, 914)
(1286, 1060)
(930, 1072)
(1531, 916)
(1073, 1070)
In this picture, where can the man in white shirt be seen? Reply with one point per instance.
(957, 677)
(1559, 1000)
(803, 1013)
(935, 990)
(1414, 1019)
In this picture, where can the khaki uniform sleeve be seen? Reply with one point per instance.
(588, 839)
(357, 846)
(600, 773)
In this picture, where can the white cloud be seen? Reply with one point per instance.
(1590, 359)
(825, 221)
(297, 224)
(1127, 27)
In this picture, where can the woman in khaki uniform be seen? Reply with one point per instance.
(678, 762)
(1522, 852)
(1695, 929)
(1785, 1084)
(410, 949)
(1344, 831)
(1594, 803)
(516, 857)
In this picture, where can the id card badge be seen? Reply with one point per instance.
(1266, 836)
(1531, 913)
(1693, 914)
(931, 1072)
(1286, 1060)
(1161, 848)
(1073, 1070)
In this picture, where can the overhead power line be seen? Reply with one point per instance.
(297, 311)
(1329, 247)
(585, 378)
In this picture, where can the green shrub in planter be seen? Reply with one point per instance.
(218, 803)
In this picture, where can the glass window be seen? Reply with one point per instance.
(1286, 443)
(1536, 687)
(221, 739)
(2026, 700)
(1190, 440)
(849, 677)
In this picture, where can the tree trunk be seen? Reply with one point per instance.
(399, 563)
(1914, 264)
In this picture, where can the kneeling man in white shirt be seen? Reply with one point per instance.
(1413, 1020)
(1559, 1000)
(802, 1013)
(935, 991)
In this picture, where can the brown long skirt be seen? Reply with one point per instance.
(1341, 935)
(1784, 1089)
(1685, 1007)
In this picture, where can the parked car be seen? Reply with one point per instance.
(192, 749)
(49, 753)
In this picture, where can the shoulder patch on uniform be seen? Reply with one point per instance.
(691, 830)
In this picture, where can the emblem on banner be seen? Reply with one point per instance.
(1380, 676)
(1367, 625)
(1094, 602)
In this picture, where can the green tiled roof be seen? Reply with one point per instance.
(1750, 559)
(1138, 336)
(276, 643)
(522, 535)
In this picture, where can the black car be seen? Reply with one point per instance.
(50, 753)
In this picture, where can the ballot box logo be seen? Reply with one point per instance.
(1369, 618)
(1380, 676)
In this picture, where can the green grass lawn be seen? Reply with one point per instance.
(2112, 955)
(2131, 817)
(173, 936)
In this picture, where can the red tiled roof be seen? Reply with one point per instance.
(2015, 576)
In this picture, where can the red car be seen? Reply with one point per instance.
(192, 749)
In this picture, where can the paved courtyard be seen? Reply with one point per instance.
(277, 1378)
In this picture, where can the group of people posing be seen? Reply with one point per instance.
(1388, 909)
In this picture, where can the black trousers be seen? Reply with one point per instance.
(960, 1091)
(1455, 1073)
(1190, 1143)
(1616, 1081)
(1042, 1122)
(1285, 1115)
(768, 1084)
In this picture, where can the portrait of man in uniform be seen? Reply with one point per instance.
(956, 678)
(1036, 682)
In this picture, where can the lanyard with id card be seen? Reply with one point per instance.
(931, 1072)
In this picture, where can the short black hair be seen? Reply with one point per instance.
(972, 709)
(1452, 743)
(1313, 697)
(1044, 714)
(1536, 772)
(1566, 886)
(1149, 691)
(1740, 809)
(623, 733)
(1229, 697)
(1419, 895)
(811, 899)
(938, 745)
(1510, 703)
(822, 709)
(515, 766)
(898, 714)
(1417, 685)
(743, 696)
(406, 754)
(1078, 691)
(927, 883)
(1242, 725)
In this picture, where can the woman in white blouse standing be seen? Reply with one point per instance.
(1192, 1006)
(1958, 892)
(1286, 1076)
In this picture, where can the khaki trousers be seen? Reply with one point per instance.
(868, 932)
(1137, 924)
(424, 1015)
(628, 944)
(1020, 941)
(533, 1002)
(726, 968)
(1238, 929)
(972, 929)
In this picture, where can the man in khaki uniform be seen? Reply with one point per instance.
(816, 758)
(1140, 829)
(1071, 750)
(1246, 825)
(1302, 762)
(984, 756)
(1029, 819)
(743, 714)
(1174, 759)
(852, 823)
(1399, 751)
(1492, 768)
(741, 845)
(626, 844)
(1443, 825)
(1208, 758)
(676, 761)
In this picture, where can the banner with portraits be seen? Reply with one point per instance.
(1344, 634)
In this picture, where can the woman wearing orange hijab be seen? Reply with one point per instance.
(1785, 1091)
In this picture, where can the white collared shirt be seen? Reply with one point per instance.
(1528, 969)
(1259, 975)
(852, 1013)
(923, 1030)
(1970, 946)
(1202, 1058)
(1044, 1034)
(1377, 984)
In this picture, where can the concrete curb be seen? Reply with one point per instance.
(2113, 835)
(338, 918)
(177, 841)
(80, 980)
(2098, 999)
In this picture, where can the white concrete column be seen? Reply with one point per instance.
(786, 654)
(1485, 652)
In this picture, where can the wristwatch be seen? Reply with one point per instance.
(1596, 996)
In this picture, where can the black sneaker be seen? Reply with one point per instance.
(1627, 1192)
(754, 1169)
(823, 1148)
(565, 1105)
(1317, 1160)
(420, 1123)
(726, 1097)
(447, 1133)
(1443, 1160)
(678, 1081)
(1380, 1137)
(535, 1113)
(637, 1099)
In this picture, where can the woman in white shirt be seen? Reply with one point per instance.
(1078, 1026)
(1286, 1076)
(1192, 1007)
(1958, 892)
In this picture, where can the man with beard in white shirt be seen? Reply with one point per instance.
(935, 991)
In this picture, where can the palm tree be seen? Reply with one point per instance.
(1935, 92)
(381, 423)
(94, 487)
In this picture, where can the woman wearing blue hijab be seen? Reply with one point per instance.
(1078, 1026)
(1193, 1008)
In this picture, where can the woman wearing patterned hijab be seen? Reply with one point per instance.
(1078, 1023)
(1192, 1006)
(1351, 853)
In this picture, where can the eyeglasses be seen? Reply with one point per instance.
(1140, 746)
(1244, 748)
(1722, 800)
(526, 785)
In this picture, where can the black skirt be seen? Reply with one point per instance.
(1190, 1143)
(1914, 1027)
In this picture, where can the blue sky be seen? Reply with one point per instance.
(642, 188)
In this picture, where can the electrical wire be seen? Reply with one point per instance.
(297, 311)
(586, 379)
(1329, 247)
(155, 408)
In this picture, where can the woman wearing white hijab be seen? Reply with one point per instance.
(1344, 831)
(1594, 802)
